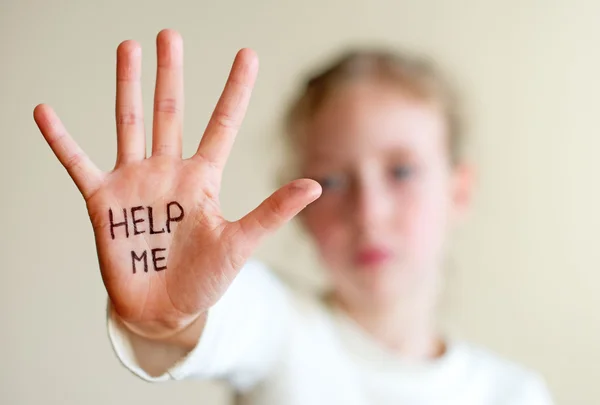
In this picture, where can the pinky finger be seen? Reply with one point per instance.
(85, 174)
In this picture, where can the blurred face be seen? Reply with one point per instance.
(389, 193)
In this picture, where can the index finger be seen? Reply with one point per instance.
(229, 113)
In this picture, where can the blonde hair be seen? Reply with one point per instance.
(416, 76)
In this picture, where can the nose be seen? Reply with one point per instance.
(373, 204)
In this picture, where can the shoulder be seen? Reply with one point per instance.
(506, 379)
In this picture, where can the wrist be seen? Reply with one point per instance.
(185, 334)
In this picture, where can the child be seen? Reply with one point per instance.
(376, 140)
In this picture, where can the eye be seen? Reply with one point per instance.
(402, 172)
(332, 182)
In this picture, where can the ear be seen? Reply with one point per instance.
(463, 184)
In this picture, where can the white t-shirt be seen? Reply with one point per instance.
(279, 347)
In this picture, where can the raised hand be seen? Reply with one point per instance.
(165, 251)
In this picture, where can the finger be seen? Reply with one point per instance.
(227, 117)
(168, 95)
(84, 173)
(129, 112)
(276, 210)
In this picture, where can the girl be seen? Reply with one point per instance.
(375, 140)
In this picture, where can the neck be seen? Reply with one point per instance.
(406, 328)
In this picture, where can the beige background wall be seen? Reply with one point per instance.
(526, 268)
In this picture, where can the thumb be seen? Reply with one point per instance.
(278, 209)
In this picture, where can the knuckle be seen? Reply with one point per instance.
(276, 206)
(74, 161)
(128, 118)
(160, 149)
(167, 105)
(56, 139)
(275, 214)
(225, 120)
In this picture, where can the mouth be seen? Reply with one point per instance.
(372, 256)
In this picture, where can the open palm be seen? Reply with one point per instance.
(166, 253)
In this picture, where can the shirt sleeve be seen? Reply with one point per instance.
(241, 340)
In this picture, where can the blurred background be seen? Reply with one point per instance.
(524, 271)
